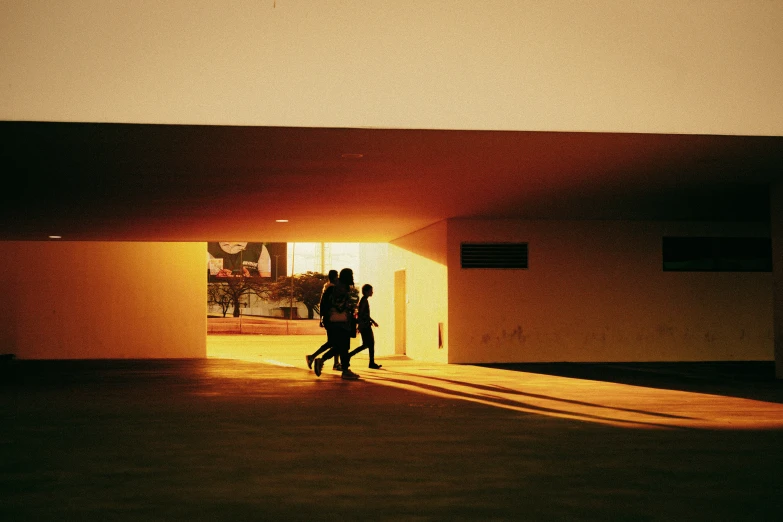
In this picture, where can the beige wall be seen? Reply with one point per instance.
(96, 300)
(376, 267)
(595, 291)
(661, 66)
(422, 255)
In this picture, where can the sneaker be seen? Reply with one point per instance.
(337, 367)
(309, 359)
(348, 374)
(318, 365)
(374, 366)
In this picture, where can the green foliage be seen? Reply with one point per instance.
(306, 289)
(230, 290)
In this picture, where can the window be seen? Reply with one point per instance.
(493, 255)
(717, 254)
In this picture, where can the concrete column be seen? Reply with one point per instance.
(776, 226)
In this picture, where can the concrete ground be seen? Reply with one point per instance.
(259, 437)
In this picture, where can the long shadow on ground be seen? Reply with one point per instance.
(745, 379)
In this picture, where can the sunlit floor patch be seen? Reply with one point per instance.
(621, 405)
(592, 401)
(278, 363)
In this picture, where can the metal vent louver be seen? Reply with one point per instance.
(493, 255)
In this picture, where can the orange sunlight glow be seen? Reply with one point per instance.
(578, 399)
(613, 404)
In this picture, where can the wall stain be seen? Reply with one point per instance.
(514, 335)
(664, 330)
(518, 334)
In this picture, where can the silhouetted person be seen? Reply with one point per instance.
(365, 327)
(338, 321)
(321, 310)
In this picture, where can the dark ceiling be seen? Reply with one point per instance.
(106, 181)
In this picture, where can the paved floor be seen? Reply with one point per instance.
(260, 437)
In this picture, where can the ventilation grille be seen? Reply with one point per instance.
(717, 254)
(493, 255)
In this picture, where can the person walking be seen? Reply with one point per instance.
(322, 309)
(338, 319)
(365, 327)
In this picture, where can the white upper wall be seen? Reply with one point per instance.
(661, 66)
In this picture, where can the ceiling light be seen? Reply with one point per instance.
(55, 237)
(281, 220)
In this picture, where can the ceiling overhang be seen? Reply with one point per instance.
(144, 182)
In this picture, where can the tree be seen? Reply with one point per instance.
(230, 290)
(306, 290)
(217, 294)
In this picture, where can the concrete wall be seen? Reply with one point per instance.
(661, 66)
(103, 300)
(422, 255)
(596, 291)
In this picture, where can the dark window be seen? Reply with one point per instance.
(717, 254)
(493, 255)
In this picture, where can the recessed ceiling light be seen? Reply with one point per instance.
(281, 220)
(55, 237)
(352, 155)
